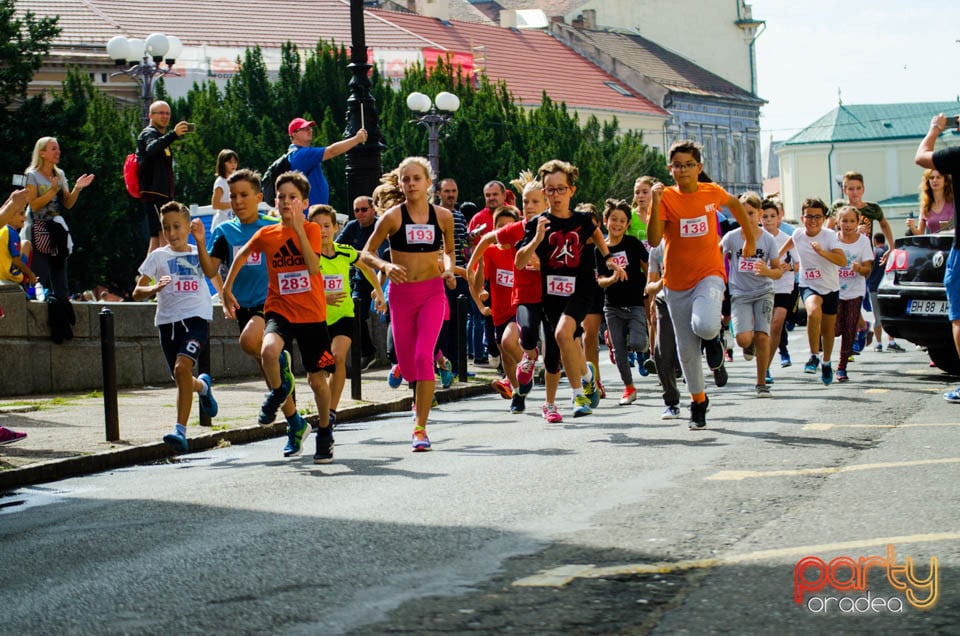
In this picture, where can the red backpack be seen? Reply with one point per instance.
(131, 175)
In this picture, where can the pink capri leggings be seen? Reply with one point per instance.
(417, 312)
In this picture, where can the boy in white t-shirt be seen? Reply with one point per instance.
(820, 260)
(853, 282)
(184, 312)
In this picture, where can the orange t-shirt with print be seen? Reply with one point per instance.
(292, 291)
(692, 250)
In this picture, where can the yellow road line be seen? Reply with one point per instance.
(827, 427)
(877, 391)
(737, 475)
(561, 576)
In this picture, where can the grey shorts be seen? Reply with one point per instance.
(751, 314)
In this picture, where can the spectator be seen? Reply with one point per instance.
(12, 267)
(355, 234)
(46, 235)
(309, 160)
(227, 162)
(448, 199)
(936, 204)
(156, 167)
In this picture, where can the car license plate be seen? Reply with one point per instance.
(927, 308)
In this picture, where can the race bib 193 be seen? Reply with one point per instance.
(418, 234)
(297, 282)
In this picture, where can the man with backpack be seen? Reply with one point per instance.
(308, 159)
(156, 166)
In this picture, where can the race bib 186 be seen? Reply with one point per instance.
(186, 284)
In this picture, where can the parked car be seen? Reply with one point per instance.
(911, 298)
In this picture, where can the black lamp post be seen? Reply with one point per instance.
(146, 57)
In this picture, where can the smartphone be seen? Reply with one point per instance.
(191, 127)
(952, 122)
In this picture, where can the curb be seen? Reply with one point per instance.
(57, 469)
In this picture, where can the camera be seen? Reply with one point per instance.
(18, 180)
(191, 127)
(951, 122)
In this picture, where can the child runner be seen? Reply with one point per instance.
(295, 309)
(560, 239)
(820, 259)
(693, 272)
(784, 288)
(642, 196)
(335, 262)
(184, 312)
(623, 294)
(853, 284)
(751, 290)
(591, 322)
(419, 233)
(665, 349)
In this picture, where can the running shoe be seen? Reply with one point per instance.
(750, 352)
(842, 375)
(324, 454)
(632, 359)
(763, 391)
(785, 360)
(286, 370)
(394, 379)
(893, 346)
(720, 376)
(208, 405)
(714, 350)
(953, 396)
(550, 413)
(629, 396)
(419, 441)
(502, 386)
(826, 373)
(518, 404)
(670, 412)
(698, 414)
(729, 355)
(649, 364)
(769, 378)
(590, 387)
(275, 398)
(609, 343)
(878, 348)
(10, 437)
(601, 390)
(445, 369)
(296, 433)
(176, 441)
(642, 369)
(581, 406)
(525, 375)
(332, 419)
(860, 342)
(811, 365)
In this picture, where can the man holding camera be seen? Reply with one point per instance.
(156, 166)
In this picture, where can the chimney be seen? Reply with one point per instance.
(590, 19)
(412, 6)
(577, 22)
(508, 18)
(439, 9)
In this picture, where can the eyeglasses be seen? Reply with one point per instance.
(684, 166)
(361, 209)
(812, 217)
(561, 190)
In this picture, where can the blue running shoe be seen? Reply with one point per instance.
(590, 388)
(769, 378)
(445, 369)
(953, 396)
(631, 359)
(581, 406)
(286, 371)
(642, 365)
(394, 379)
(208, 404)
(826, 373)
(296, 433)
(811, 365)
(176, 441)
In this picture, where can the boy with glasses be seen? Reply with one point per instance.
(821, 258)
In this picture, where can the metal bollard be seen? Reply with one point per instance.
(203, 366)
(108, 358)
(462, 337)
(356, 348)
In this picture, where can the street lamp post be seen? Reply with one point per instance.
(433, 115)
(363, 161)
(146, 57)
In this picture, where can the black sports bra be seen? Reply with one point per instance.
(417, 237)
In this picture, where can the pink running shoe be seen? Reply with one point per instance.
(420, 441)
(525, 375)
(10, 437)
(551, 414)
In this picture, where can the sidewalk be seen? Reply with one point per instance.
(66, 433)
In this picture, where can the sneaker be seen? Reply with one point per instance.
(670, 412)
(629, 396)
(893, 346)
(642, 365)
(698, 414)
(826, 373)
(208, 405)
(324, 454)
(768, 378)
(860, 342)
(750, 352)
(649, 364)
(332, 419)
(590, 390)
(11, 437)
(609, 343)
(445, 369)
(525, 375)
(763, 391)
(714, 350)
(286, 370)
(502, 386)
(632, 359)
(785, 360)
(394, 379)
(518, 404)
(366, 362)
(811, 365)
(296, 433)
(275, 398)
(481, 362)
(878, 348)
(953, 396)
(729, 355)
(720, 375)
(176, 441)
(419, 441)
(550, 413)
(842, 375)
(581, 406)
(601, 390)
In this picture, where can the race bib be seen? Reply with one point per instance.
(186, 284)
(692, 228)
(561, 285)
(418, 234)
(333, 283)
(253, 258)
(812, 274)
(748, 265)
(620, 258)
(847, 273)
(293, 282)
(504, 277)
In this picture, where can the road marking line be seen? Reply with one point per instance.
(877, 391)
(561, 576)
(737, 475)
(827, 427)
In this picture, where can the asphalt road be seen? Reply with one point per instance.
(616, 523)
